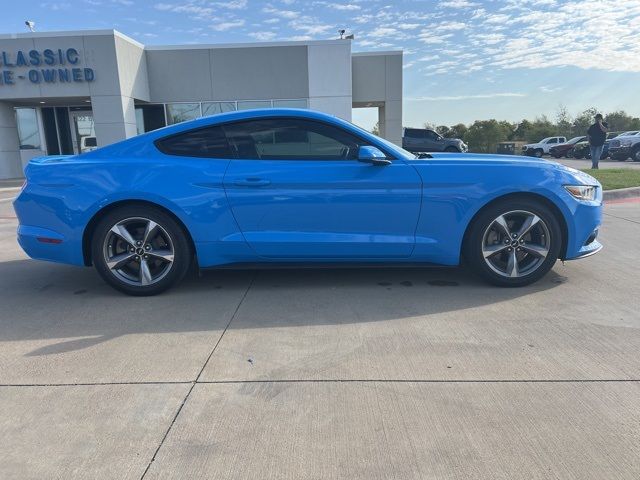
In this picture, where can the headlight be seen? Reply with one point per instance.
(626, 143)
(582, 192)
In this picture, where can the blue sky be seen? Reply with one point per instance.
(463, 59)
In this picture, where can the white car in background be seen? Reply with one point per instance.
(88, 143)
(542, 147)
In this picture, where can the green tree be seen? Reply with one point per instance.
(376, 129)
(564, 123)
(620, 121)
(583, 121)
(458, 130)
(443, 130)
(483, 136)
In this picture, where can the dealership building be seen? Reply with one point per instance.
(66, 92)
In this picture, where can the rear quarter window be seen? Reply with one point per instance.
(209, 142)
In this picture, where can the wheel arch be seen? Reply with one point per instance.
(522, 196)
(87, 235)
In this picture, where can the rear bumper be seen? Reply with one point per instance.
(44, 244)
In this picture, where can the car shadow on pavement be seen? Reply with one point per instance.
(72, 306)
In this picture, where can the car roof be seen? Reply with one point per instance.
(135, 145)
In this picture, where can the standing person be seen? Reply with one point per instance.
(597, 134)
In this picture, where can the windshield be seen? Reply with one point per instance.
(575, 139)
(629, 134)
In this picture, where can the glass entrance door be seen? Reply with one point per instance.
(83, 131)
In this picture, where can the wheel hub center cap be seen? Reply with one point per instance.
(514, 243)
(140, 251)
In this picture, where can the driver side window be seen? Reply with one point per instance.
(290, 139)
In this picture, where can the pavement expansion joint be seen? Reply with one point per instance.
(193, 384)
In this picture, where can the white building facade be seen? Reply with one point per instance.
(65, 92)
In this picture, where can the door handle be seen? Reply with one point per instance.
(252, 182)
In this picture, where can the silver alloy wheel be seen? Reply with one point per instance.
(138, 251)
(516, 243)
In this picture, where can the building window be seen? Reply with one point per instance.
(181, 112)
(28, 131)
(149, 117)
(298, 103)
(139, 121)
(249, 104)
(212, 108)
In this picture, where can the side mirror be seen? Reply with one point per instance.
(372, 155)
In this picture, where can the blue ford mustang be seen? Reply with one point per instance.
(286, 186)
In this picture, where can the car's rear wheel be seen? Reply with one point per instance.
(514, 243)
(451, 150)
(140, 250)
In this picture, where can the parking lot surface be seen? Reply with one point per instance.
(316, 374)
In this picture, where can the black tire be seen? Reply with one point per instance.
(481, 227)
(578, 155)
(452, 150)
(538, 152)
(170, 238)
(635, 154)
(619, 158)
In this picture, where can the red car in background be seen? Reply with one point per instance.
(565, 149)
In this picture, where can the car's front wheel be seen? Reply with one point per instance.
(538, 152)
(452, 150)
(514, 243)
(140, 250)
(635, 154)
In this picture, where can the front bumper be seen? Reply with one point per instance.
(583, 227)
(620, 151)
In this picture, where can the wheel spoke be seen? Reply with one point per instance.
(502, 222)
(166, 255)
(145, 275)
(528, 224)
(151, 226)
(512, 265)
(123, 233)
(489, 250)
(537, 250)
(120, 261)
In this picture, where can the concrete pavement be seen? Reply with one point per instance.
(399, 373)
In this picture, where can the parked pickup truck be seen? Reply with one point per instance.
(625, 146)
(542, 147)
(424, 140)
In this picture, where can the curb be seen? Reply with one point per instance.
(619, 193)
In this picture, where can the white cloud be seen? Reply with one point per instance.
(233, 5)
(467, 97)
(457, 4)
(263, 36)
(344, 6)
(290, 14)
(224, 26)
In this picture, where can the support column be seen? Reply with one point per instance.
(10, 165)
(382, 126)
(391, 121)
(114, 118)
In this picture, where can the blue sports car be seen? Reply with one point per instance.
(285, 186)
